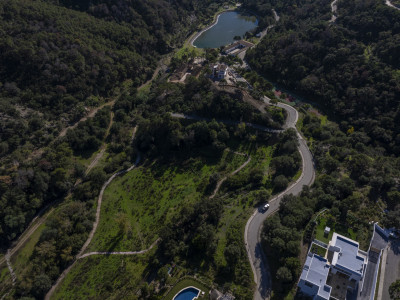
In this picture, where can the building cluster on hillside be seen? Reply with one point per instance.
(237, 47)
(192, 68)
(339, 271)
(219, 71)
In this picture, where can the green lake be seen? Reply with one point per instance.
(229, 25)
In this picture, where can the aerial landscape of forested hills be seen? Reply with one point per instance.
(130, 170)
(351, 67)
(56, 62)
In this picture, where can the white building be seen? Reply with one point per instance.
(341, 270)
(237, 47)
(314, 276)
(345, 257)
(219, 71)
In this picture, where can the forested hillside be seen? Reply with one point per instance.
(349, 69)
(60, 59)
(166, 22)
(349, 66)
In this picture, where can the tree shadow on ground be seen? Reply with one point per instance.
(114, 242)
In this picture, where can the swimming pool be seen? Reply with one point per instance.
(188, 293)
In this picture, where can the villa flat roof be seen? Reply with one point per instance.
(324, 292)
(348, 257)
(316, 271)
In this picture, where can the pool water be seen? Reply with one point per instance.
(187, 294)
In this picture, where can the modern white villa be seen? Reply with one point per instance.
(219, 71)
(340, 270)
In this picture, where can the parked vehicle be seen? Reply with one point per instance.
(265, 207)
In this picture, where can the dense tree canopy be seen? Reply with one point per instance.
(349, 66)
(58, 60)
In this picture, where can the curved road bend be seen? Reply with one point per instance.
(388, 3)
(334, 11)
(257, 258)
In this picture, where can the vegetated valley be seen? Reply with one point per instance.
(349, 69)
(74, 111)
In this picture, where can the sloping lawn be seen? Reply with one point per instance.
(136, 205)
(105, 277)
(318, 250)
(335, 227)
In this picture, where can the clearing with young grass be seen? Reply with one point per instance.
(136, 205)
(104, 277)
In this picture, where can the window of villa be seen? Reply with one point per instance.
(308, 284)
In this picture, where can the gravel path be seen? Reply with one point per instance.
(102, 149)
(10, 268)
(265, 31)
(39, 152)
(91, 114)
(95, 224)
(41, 217)
(233, 173)
(120, 252)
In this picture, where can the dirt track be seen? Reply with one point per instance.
(95, 224)
(233, 173)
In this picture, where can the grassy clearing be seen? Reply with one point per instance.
(318, 250)
(189, 51)
(21, 259)
(324, 120)
(319, 231)
(232, 214)
(297, 175)
(335, 227)
(85, 157)
(186, 283)
(136, 205)
(105, 277)
(261, 157)
(5, 280)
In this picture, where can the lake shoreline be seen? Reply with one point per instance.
(215, 22)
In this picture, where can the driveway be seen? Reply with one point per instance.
(378, 243)
(392, 270)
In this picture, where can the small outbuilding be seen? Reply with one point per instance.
(327, 230)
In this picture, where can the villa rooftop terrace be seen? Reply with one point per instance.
(316, 271)
(348, 258)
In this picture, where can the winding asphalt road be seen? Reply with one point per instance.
(334, 11)
(388, 3)
(257, 258)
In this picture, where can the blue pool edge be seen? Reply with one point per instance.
(188, 287)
